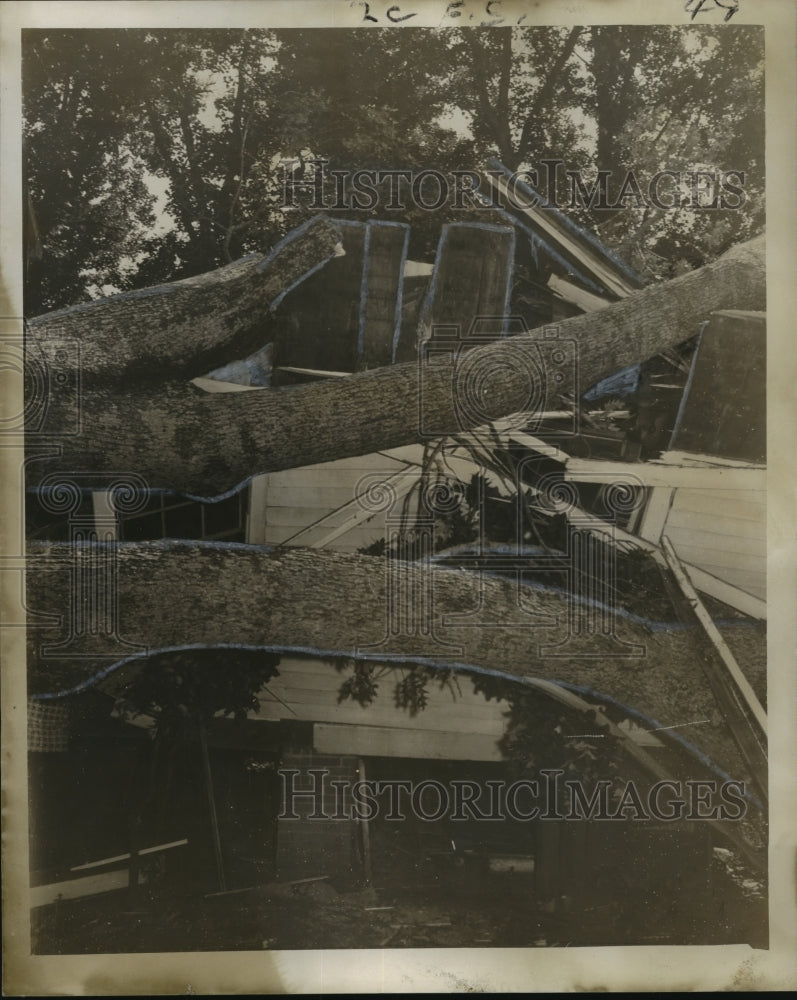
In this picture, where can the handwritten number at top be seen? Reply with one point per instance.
(695, 7)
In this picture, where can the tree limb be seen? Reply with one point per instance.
(204, 444)
(173, 594)
(186, 328)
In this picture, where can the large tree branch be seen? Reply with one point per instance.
(181, 438)
(186, 328)
(173, 594)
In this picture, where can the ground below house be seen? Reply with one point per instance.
(445, 906)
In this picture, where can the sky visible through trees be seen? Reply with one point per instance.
(155, 155)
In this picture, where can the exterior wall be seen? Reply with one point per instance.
(317, 505)
(722, 532)
(455, 725)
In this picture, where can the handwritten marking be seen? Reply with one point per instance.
(695, 7)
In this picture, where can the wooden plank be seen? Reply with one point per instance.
(653, 474)
(380, 316)
(707, 582)
(586, 301)
(257, 512)
(215, 385)
(696, 540)
(365, 833)
(388, 716)
(676, 457)
(721, 558)
(655, 513)
(77, 888)
(125, 857)
(472, 278)
(314, 372)
(721, 525)
(727, 658)
(744, 505)
(579, 250)
(378, 741)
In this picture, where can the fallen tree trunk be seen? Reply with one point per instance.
(186, 328)
(181, 438)
(177, 594)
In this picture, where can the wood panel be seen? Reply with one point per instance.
(381, 316)
(354, 539)
(320, 496)
(664, 474)
(752, 582)
(724, 408)
(747, 504)
(317, 324)
(472, 278)
(694, 539)
(378, 741)
(311, 477)
(726, 526)
(718, 556)
(394, 718)
(723, 533)
(308, 690)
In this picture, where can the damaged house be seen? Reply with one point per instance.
(661, 465)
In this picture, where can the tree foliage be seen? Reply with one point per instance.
(184, 690)
(157, 154)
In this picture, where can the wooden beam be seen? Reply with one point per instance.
(579, 251)
(694, 459)
(705, 619)
(666, 474)
(125, 857)
(388, 741)
(587, 301)
(721, 590)
(315, 372)
(77, 888)
(654, 516)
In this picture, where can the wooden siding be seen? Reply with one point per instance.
(722, 532)
(472, 279)
(308, 690)
(305, 506)
(382, 741)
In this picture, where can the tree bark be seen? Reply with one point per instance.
(174, 594)
(181, 438)
(186, 328)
